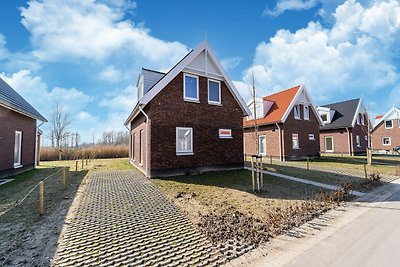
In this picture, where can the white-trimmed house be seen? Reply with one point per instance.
(386, 131)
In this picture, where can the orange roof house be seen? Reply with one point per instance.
(288, 125)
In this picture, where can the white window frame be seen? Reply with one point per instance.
(141, 147)
(305, 107)
(358, 141)
(298, 141)
(388, 127)
(184, 152)
(358, 119)
(219, 92)
(333, 144)
(390, 141)
(311, 136)
(18, 164)
(190, 99)
(265, 144)
(362, 119)
(297, 107)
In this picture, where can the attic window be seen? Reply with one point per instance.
(297, 112)
(306, 112)
(389, 124)
(324, 117)
(214, 92)
(362, 119)
(190, 88)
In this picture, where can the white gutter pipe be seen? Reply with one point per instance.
(280, 142)
(147, 139)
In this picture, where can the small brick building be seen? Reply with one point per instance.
(386, 131)
(345, 129)
(19, 133)
(288, 126)
(187, 120)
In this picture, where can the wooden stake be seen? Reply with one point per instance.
(365, 171)
(64, 178)
(252, 174)
(41, 197)
(76, 166)
(308, 163)
(270, 159)
(82, 163)
(86, 161)
(262, 175)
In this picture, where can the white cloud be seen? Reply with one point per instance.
(349, 58)
(37, 93)
(230, 62)
(111, 74)
(285, 5)
(92, 30)
(121, 100)
(3, 50)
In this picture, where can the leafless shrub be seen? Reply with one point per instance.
(101, 152)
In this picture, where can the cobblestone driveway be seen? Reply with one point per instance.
(122, 219)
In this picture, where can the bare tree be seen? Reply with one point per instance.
(254, 97)
(59, 122)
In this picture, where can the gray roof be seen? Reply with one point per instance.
(12, 100)
(344, 114)
(150, 78)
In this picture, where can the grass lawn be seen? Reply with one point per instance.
(214, 191)
(26, 238)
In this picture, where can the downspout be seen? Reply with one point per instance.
(280, 142)
(147, 139)
(348, 140)
(130, 144)
(36, 142)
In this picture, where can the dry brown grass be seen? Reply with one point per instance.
(98, 152)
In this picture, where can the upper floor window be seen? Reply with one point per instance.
(306, 112)
(389, 124)
(190, 87)
(297, 112)
(358, 119)
(362, 119)
(324, 117)
(358, 141)
(214, 92)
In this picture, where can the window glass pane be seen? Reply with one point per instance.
(184, 140)
(306, 113)
(262, 145)
(295, 141)
(329, 144)
(191, 87)
(17, 148)
(297, 112)
(388, 124)
(213, 91)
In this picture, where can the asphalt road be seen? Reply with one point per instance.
(372, 239)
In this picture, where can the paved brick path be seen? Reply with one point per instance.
(124, 220)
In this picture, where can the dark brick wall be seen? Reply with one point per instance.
(168, 110)
(10, 122)
(341, 140)
(380, 132)
(362, 131)
(137, 125)
(308, 148)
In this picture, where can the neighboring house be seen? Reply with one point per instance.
(386, 131)
(19, 133)
(187, 120)
(345, 129)
(288, 126)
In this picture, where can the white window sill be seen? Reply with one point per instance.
(328, 151)
(191, 100)
(297, 118)
(296, 148)
(141, 164)
(184, 153)
(306, 119)
(386, 145)
(214, 103)
(230, 137)
(17, 166)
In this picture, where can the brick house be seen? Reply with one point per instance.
(345, 129)
(187, 120)
(288, 126)
(19, 132)
(386, 131)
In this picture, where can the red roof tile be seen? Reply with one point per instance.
(379, 117)
(281, 101)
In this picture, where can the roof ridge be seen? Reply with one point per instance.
(291, 88)
(154, 70)
(339, 102)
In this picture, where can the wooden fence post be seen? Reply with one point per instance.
(76, 166)
(262, 174)
(82, 163)
(252, 174)
(365, 171)
(308, 163)
(64, 178)
(270, 159)
(41, 197)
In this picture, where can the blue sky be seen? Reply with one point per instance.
(86, 54)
